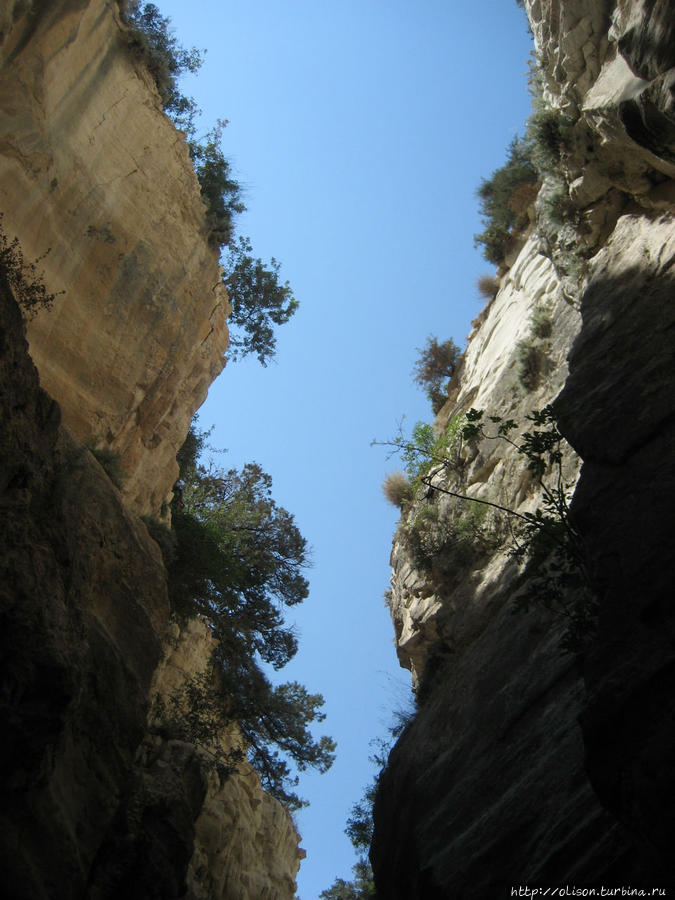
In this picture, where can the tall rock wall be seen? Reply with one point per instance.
(99, 800)
(523, 765)
(93, 174)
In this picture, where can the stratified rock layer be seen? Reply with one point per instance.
(95, 175)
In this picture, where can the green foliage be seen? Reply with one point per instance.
(111, 463)
(151, 36)
(259, 301)
(195, 713)
(397, 489)
(441, 543)
(532, 353)
(548, 132)
(220, 192)
(238, 560)
(501, 203)
(361, 887)
(426, 448)
(532, 363)
(24, 280)
(436, 364)
(556, 575)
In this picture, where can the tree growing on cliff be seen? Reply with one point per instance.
(24, 279)
(259, 301)
(238, 559)
(435, 365)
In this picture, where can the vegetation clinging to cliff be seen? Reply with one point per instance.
(238, 559)
(259, 299)
(24, 279)
(504, 198)
(435, 365)
(547, 542)
(166, 59)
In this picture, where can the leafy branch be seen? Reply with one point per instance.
(556, 571)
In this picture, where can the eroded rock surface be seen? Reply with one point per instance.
(95, 175)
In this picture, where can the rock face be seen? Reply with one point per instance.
(246, 845)
(98, 800)
(524, 765)
(95, 175)
(617, 410)
(95, 802)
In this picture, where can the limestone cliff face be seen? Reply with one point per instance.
(495, 783)
(94, 174)
(98, 800)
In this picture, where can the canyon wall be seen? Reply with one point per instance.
(525, 764)
(99, 800)
(95, 176)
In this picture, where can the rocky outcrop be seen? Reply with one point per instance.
(494, 783)
(93, 174)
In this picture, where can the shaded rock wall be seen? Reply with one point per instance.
(617, 409)
(83, 594)
(92, 171)
(97, 803)
(493, 783)
(246, 846)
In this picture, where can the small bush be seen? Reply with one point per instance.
(445, 542)
(25, 282)
(436, 363)
(501, 204)
(541, 323)
(549, 131)
(532, 363)
(111, 463)
(397, 489)
(426, 448)
(533, 351)
(220, 192)
(487, 285)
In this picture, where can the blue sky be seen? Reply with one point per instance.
(360, 131)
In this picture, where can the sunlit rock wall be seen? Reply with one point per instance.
(94, 175)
